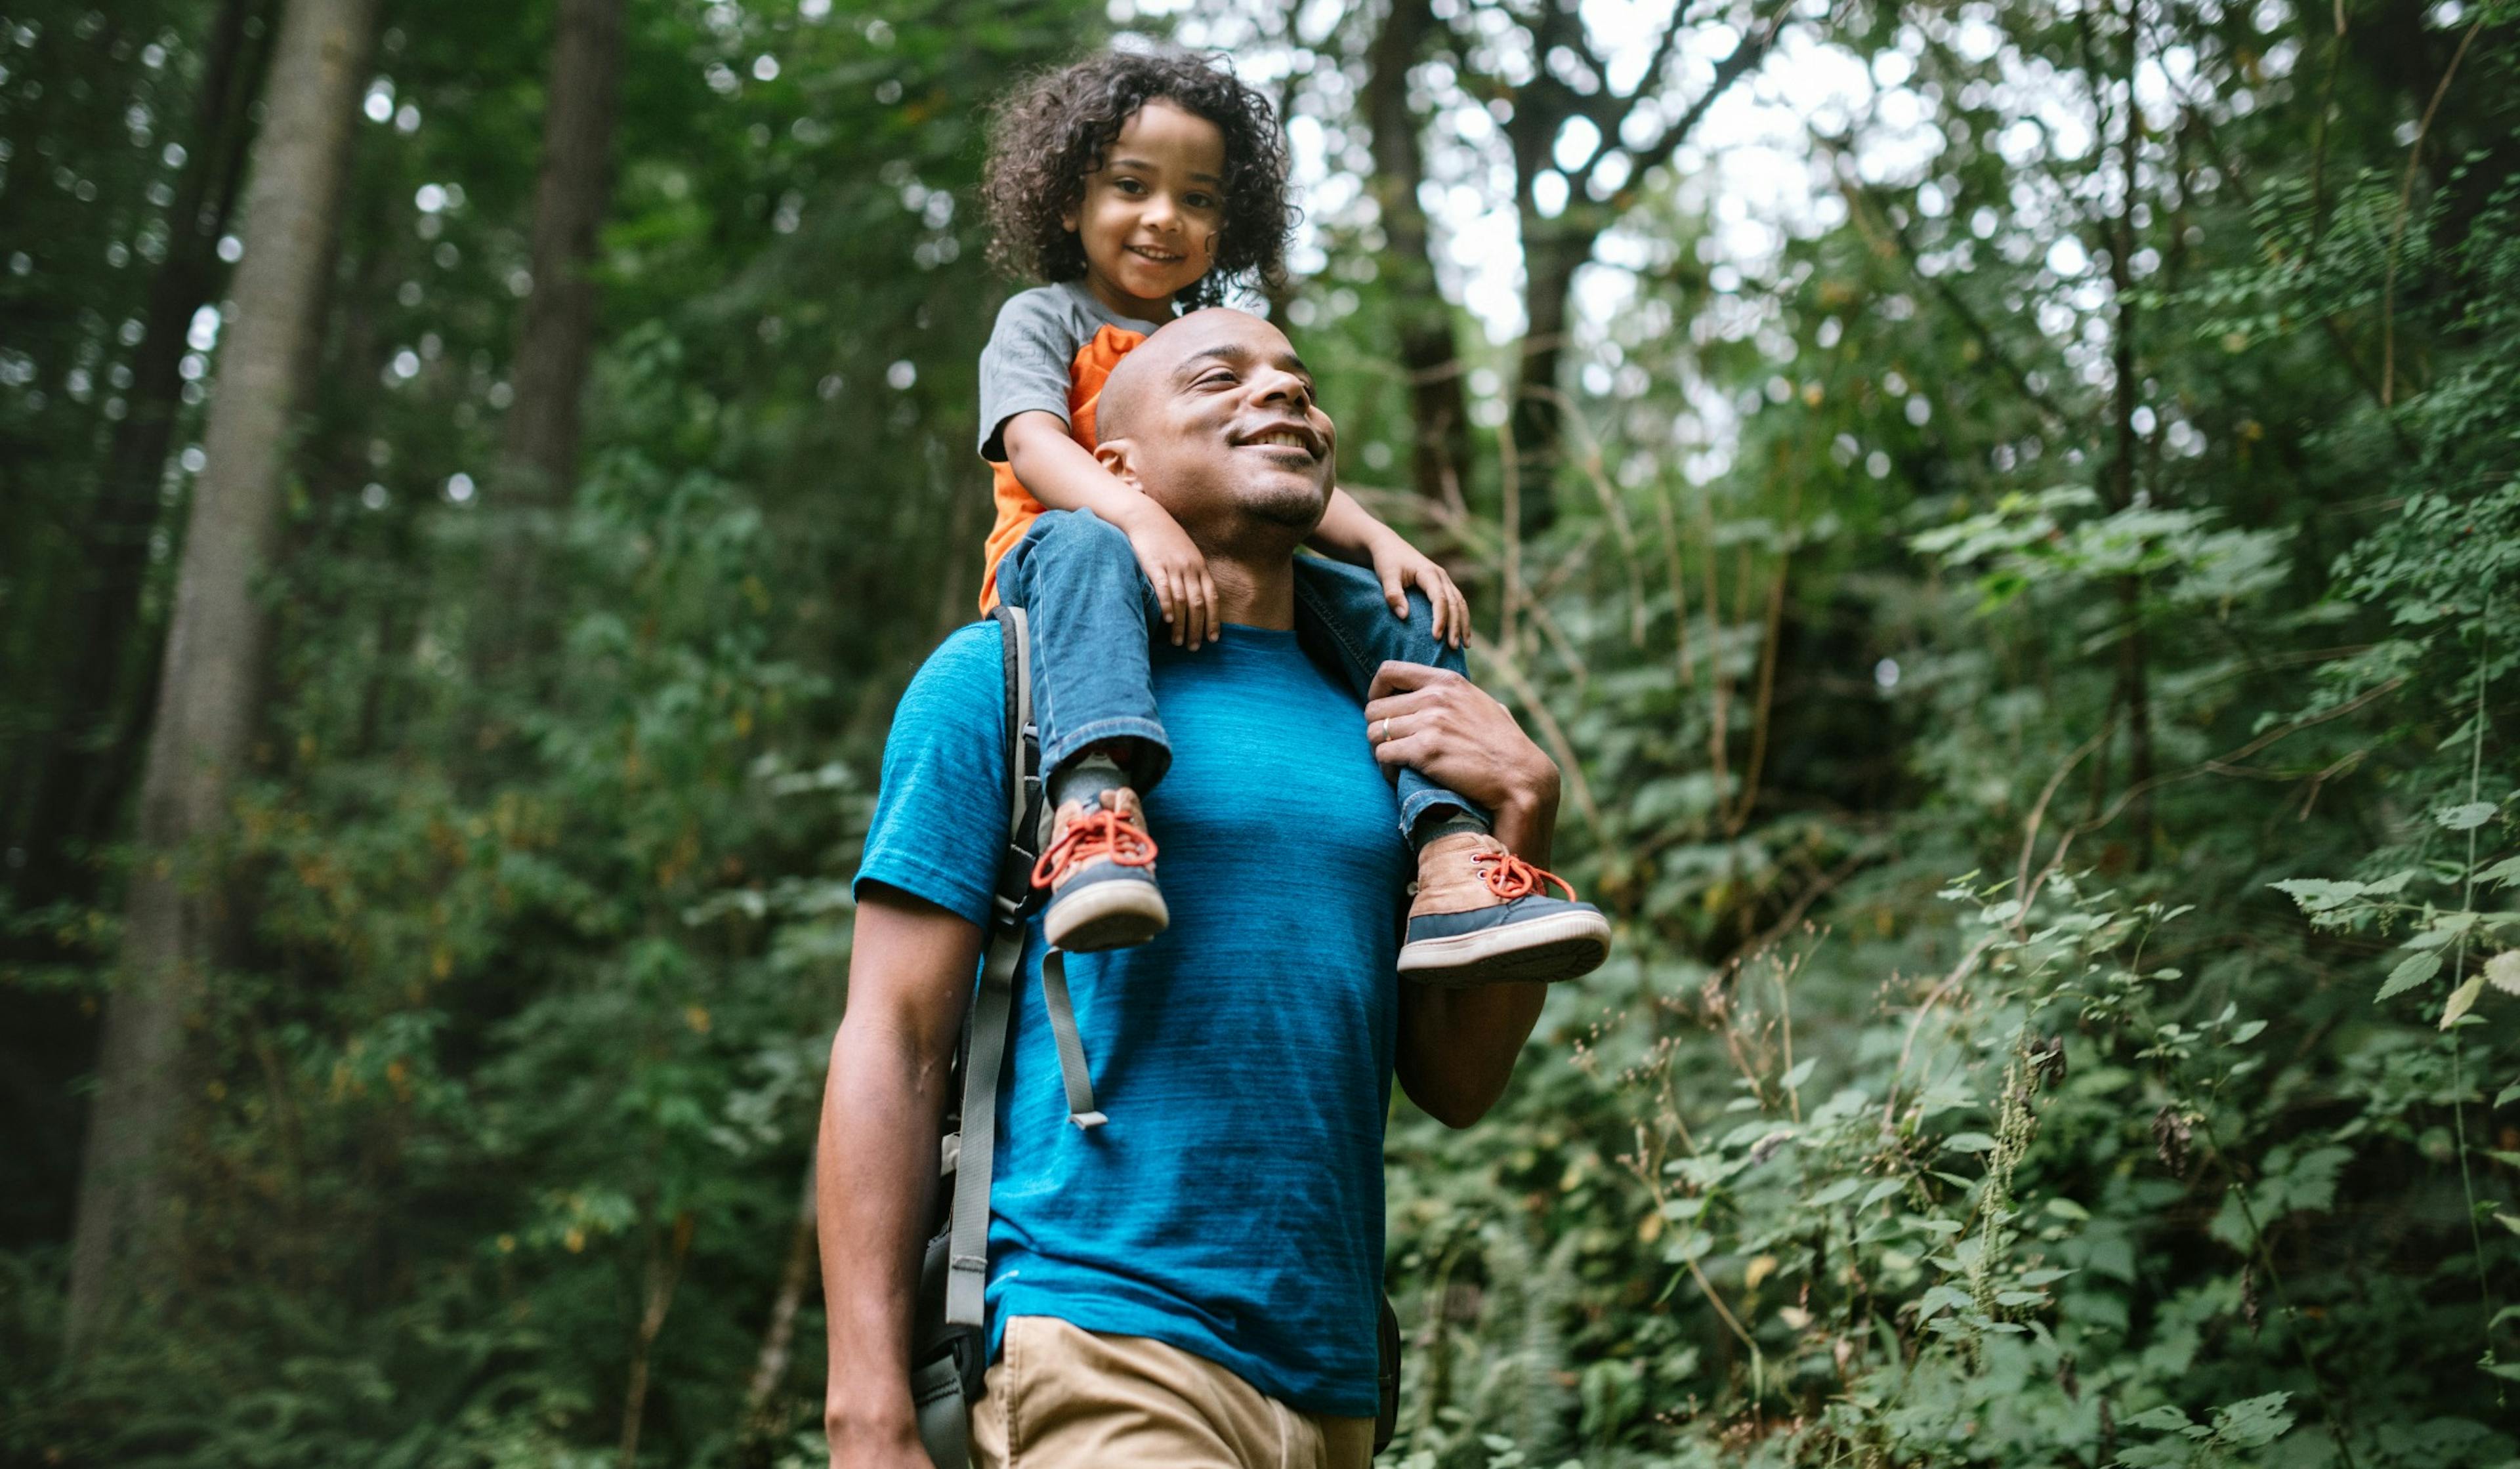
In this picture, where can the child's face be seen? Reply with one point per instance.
(1151, 213)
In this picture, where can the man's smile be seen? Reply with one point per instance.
(1290, 434)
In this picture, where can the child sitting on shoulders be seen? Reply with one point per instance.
(1137, 186)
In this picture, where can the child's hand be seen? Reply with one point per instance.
(1178, 574)
(1400, 566)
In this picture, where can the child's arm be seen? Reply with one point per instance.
(1348, 533)
(1062, 475)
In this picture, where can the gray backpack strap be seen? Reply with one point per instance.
(993, 1007)
(967, 1240)
(1072, 1074)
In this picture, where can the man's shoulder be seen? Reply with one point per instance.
(965, 672)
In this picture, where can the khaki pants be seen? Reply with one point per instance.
(1063, 1397)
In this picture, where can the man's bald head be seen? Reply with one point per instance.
(1213, 417)
(1141, 371)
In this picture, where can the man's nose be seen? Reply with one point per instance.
(1275, 385)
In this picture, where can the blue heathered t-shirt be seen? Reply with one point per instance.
(1232, 1204)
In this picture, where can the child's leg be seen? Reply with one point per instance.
(1341, 608)
(1477, 914)
(1088, 610)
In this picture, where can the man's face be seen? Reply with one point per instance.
(1227, 427)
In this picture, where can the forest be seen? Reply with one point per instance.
(2003, 511)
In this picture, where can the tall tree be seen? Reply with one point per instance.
(538, 455)
(70, 782)
(1564, 203)
(1439, 411)
(200, 736)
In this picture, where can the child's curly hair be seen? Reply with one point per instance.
(1047, 137)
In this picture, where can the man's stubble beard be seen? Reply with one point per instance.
(1283, 501)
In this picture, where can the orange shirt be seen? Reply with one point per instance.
(1016, 507)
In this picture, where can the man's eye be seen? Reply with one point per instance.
(1220, 377)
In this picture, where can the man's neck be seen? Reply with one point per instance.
(1255, 591)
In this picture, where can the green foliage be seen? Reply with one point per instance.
(2178, 1131)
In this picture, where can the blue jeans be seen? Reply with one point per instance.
(1093, 615)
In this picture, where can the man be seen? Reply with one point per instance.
(1193, 1283)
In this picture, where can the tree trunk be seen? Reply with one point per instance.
(1440, 451)
(74, 779)
(538, 457)
(199, 738)
(1552, 250)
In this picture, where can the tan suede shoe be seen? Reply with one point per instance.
(1480, 917)
(1099, 868)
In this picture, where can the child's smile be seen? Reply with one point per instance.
(1151, 212)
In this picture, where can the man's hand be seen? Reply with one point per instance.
(1178, 572)
(1399, 566)
(1448, 730)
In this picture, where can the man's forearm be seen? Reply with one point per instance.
(1458, 1047)
(875, 1181)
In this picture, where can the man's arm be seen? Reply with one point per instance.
(875, 1171)
(1456, 1047)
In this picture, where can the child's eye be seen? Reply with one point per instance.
(1201, 201)
(1129, 186)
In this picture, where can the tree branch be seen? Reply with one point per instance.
(1743, 60)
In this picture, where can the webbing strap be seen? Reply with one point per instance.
(967, 1243)
(1072, 1074)
(992, 1008)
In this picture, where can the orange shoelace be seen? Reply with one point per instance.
(1509, 876)
(1098, 834)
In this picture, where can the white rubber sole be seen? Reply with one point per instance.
(1560, 947)
(1106, 915)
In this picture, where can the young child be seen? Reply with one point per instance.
(1136, 185)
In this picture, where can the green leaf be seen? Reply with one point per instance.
(1888, 1187)
(2508, 1094)
(2502, 873)
(2413, 970)
(1801, 1073)
(2507, 1223)
(2316, 895)
(2166, 1419)
(2246, 1032)
(1939, 1299)
(2255, 1423)
(1969, 1142)
(1840, 1190)
(2466, 817)
(2461, 1000)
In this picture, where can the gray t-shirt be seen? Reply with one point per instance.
(1030, 354)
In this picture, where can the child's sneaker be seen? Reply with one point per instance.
(1479, 918)
(1099, 868)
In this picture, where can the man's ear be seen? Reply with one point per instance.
(1120, 456)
